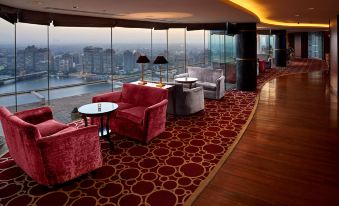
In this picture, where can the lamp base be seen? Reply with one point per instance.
(142, 82)
(160, 84)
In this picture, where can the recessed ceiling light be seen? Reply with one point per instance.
(297, 15)
(311, 8)
(37, 2)
(75, 7)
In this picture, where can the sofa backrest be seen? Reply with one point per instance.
(141, 95)
(205, 74)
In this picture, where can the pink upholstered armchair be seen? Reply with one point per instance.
(141, 113)
(50, 152)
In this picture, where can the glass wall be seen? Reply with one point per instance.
(31, 65)
(56, 62)
(176, 52)
(264, 46)
(7, 64)
(159, 48)
(315, 45)
(230, 75)
(80, 61)
(195, 48)
(222, 56)
(128, 45)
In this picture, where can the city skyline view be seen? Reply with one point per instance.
(87, 60)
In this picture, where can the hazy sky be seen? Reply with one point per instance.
(29, 34)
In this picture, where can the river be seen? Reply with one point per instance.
(35, 84)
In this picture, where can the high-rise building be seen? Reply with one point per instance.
(128, 61)
(107, 58)
(93, 60)
(41, 60)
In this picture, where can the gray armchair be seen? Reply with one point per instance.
(211, 80)
(187, 101)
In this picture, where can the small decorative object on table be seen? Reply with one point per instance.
(160, 60)
(75, 114)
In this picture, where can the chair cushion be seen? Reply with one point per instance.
(207, 86)
(50, 127)
(134, 114)
(123, 105)
(68, 129)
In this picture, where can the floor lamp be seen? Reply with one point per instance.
(160, 60)
(142, 60)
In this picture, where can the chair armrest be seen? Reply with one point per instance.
(71, 153)
(220, 84)
(155, 115)
(35, 116)
(181, 75)
(107, 97)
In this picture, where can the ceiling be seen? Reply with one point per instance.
(178, 11)
(192, 11)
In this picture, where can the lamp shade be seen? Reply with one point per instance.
(143, 59)
(160, 60)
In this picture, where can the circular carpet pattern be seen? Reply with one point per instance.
(165, 172)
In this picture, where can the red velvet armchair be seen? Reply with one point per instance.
(50, 152)
(141, 113)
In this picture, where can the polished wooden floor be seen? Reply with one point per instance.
(289, 155)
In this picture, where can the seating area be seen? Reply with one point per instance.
(169, 103)
(211, 80)
(141, 112)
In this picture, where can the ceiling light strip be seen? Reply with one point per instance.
(259, 11)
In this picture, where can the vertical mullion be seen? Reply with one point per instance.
(167, 51)
(152, 54)
(48, 67)
(15, 70)
(204, 48)
(112, 71)
(185, 52)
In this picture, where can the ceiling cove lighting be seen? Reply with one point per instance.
(261, 12)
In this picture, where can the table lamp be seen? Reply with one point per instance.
(142, 60)
(160, 60)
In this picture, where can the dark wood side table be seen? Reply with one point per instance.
(99, 109)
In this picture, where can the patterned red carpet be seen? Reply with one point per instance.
(171, 170)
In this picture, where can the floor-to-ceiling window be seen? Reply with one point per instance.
(7, 64)
(315, 45)
(128, 45)
(80, 61)
(176, 52)
(222, 56)
(159, 48)
(230, 74)
(58, 62)
(264, 46)
(195, 48)
(31, 64)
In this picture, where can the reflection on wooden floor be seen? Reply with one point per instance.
(289, 154)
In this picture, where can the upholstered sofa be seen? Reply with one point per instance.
(187, 101)
(141, 112)
(49, 151)
(211, 80)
